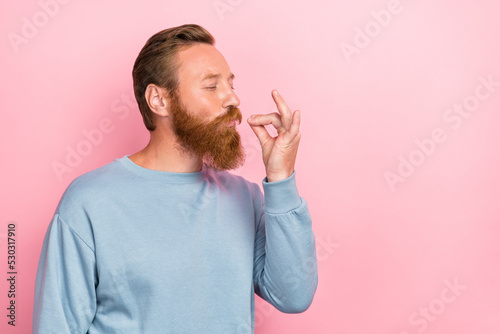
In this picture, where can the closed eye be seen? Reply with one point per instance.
(216, 87)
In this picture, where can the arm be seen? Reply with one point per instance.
(65, 298)
(285, 266)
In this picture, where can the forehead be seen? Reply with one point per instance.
(198, 61)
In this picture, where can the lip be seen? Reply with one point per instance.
(232, 123)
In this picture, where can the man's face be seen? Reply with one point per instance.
(204, 111)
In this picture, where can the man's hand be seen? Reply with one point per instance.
(279, 152)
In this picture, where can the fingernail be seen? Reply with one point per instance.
(276, 93)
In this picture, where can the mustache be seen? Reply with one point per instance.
(233, 113)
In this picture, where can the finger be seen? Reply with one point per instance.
(261, 132)
(266, 119)
(286, 113)
(290, 135)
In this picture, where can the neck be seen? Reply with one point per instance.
(164, 153)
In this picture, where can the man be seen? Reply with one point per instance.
(167, 240)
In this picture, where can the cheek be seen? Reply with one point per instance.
(200, 102)
(205, 107)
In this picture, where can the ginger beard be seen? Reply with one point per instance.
(216, 142)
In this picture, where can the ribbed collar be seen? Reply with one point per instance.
(170, 177)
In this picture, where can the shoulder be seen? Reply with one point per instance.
(89, 187)
(97, 178)
(77, 204)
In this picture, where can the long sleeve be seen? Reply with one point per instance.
(124, 255)
(65, 297)
(285, 265)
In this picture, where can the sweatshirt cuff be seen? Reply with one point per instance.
(281, 196)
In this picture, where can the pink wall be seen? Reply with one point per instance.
(399, 157)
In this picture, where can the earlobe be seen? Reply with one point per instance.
(155, 97)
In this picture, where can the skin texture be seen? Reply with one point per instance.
(208, 100)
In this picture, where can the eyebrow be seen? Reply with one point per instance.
(216, 75)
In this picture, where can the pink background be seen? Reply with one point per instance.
(387, 253)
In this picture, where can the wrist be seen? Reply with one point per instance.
(278, 176)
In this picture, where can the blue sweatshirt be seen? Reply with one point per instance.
(134, 250)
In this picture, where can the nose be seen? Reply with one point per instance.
(230, 98)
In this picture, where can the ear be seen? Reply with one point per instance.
(156, 97)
